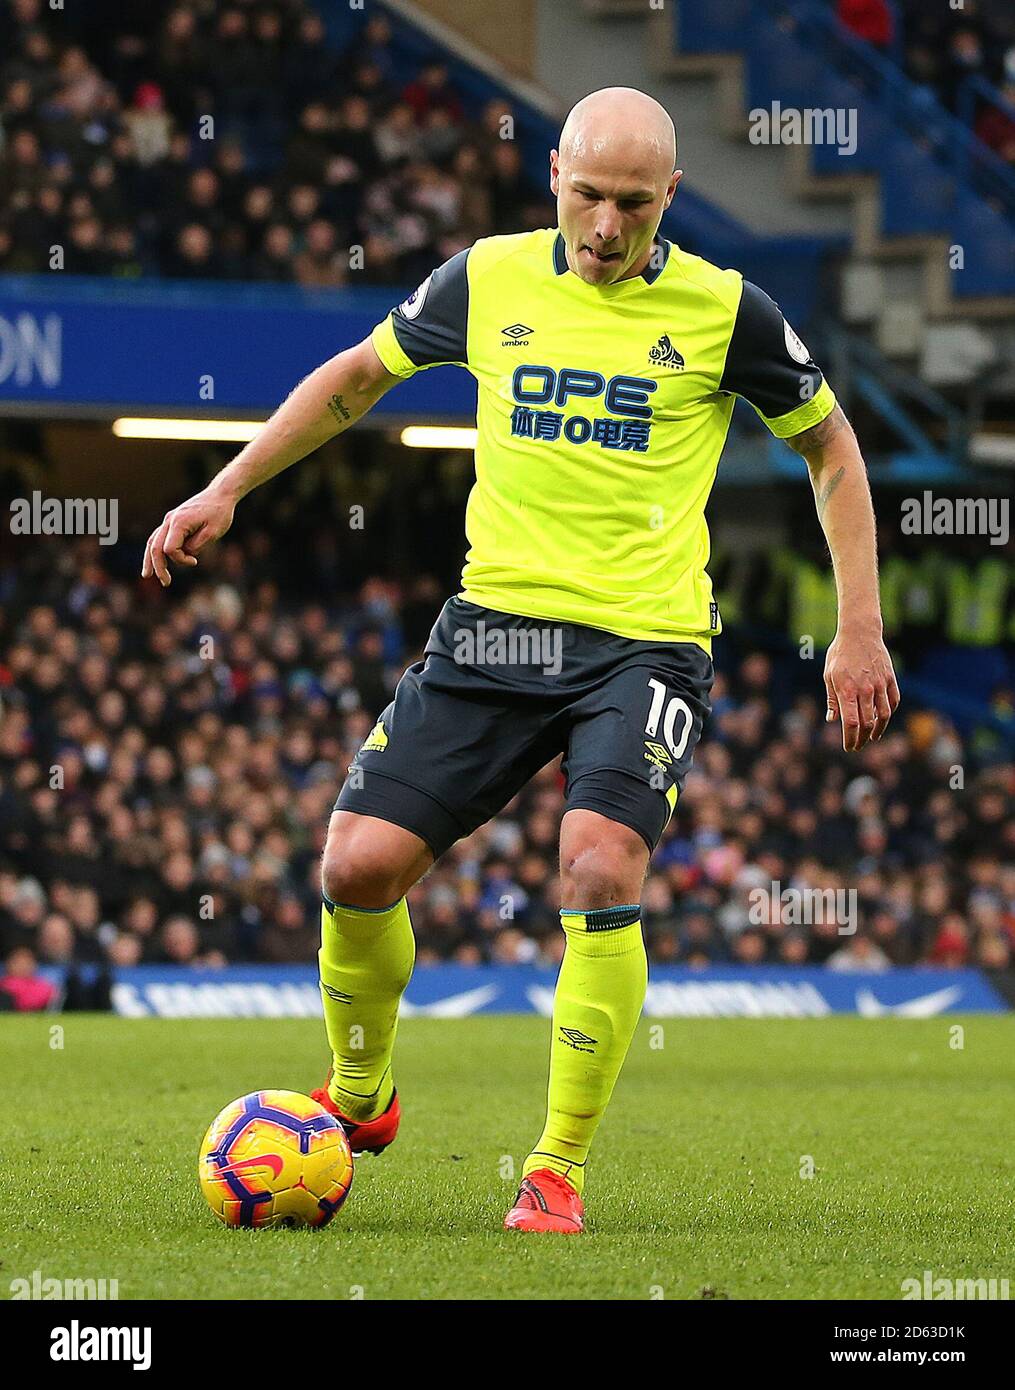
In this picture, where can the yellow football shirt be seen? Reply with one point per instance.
(602, 414)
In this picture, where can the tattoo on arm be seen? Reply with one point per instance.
(337, 407)
(813, 445)
(810, 443)
(822, 494)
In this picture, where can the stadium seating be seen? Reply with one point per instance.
(934, 174)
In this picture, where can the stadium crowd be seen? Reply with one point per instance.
(168, 764)
(106, 150)
(319, 166)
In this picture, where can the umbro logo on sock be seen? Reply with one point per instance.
(336, 994)
(574, 1037)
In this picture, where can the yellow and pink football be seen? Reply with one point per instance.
(275, 1158)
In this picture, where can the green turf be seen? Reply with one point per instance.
(694, 1189)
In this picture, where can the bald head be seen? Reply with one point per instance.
(613, 178)
(620, 122)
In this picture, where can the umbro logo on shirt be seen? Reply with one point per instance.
(664, 354)
(516, 335)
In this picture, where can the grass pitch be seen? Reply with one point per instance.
(697, 1185)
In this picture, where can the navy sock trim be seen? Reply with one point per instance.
(607, 918)
(349, 907)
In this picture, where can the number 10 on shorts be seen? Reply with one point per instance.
(673, 707)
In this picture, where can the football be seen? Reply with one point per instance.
(275, 1158)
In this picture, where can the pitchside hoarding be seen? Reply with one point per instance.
(456, 991)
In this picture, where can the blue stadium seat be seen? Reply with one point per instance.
(873, 129)
(782, 69)
(713, 28)
(917, 193)
(987, 239)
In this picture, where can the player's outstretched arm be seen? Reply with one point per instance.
(859, 677)
(329, 400)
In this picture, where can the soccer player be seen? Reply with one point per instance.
(607, 361)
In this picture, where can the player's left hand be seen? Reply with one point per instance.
(862, 690)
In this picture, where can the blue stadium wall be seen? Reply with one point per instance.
(95, 346)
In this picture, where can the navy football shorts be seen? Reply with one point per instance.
(498, 696)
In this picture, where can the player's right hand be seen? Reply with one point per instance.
(184, 531)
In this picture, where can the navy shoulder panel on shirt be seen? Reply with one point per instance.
(431, 325)
(766, 362)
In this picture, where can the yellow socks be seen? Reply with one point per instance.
(596, 1007)
(366, 960)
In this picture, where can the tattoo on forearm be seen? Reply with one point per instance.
(337, 407)
(813, 445)
(824, 493)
